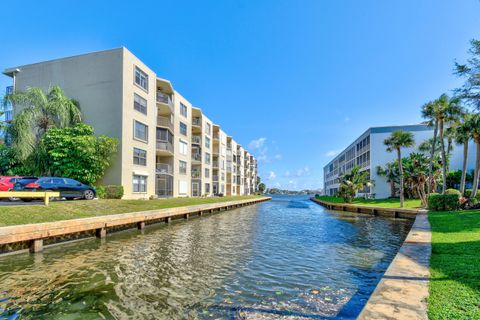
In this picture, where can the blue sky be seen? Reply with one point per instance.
(296, 81)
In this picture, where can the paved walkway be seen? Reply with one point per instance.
(403, 290)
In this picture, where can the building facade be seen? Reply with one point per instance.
(368, 151)
(167, 147)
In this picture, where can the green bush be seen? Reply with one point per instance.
(453, 191)
(110, 192)
(468, 193)
(443, 202)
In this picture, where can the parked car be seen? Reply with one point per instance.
(7, 182)
(68, 188)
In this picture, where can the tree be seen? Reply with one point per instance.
(416, 175)
(470, 91)
(390, 172)
(463, 134)
(76, 153)
(397, 141)
(40, 111)
(352, 182)
(261, 187)
(438, 112)
(473, 122)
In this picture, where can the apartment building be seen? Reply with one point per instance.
(167, 146)
(368, 151)
(6, 113)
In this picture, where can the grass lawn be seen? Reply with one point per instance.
(64, 210)
(455, 265)
(385, 203)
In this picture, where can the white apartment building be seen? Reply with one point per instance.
(167, 147)
(369, 152)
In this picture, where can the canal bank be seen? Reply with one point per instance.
(35, 236)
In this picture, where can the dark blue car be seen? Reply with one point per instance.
(68, 188)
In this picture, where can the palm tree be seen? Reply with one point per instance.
(39, 112)
(390, 172)
(397, 141)
(438, 112)
(463, 134)
(416, 174)
(473, 123)
(352, 182)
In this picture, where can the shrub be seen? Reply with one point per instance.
(453, 191)
(443, 202)
(468, 193)
(110, 192)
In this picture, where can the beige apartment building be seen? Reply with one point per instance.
(167, 147)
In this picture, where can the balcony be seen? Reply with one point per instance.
(164, 168)
(197, 122)
(165, 100)
(215, 178)
(197, 157)
(216, 136)
(197, 140)
(165, 122)
(196, 174)
(215, 164)
(164, 147)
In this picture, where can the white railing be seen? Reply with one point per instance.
(164, 145)
(164, 168)
(197, 139)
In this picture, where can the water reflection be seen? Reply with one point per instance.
(279, 259)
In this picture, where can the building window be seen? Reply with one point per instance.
(183, 147)
(207, 158)
(140, 131)
(139, 104)
(141, 78)
(183, 110)
(207, 142)
(208, 128)
(223, 176)
(207, 187)
(182, 168)
(139, 157)
(183, 128)
(207, 173)
(139, 183)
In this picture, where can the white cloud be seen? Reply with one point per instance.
(271, 175)
(278, 157)
(257, 144)
(332, 153)
(287, 173)
(347, 119)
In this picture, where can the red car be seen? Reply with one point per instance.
(7, 182)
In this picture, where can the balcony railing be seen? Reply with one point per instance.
(197, 122)
(164, 122)
(165, 99)
(215, 178)
(164, 168)
(215, 163)
(216, 135)
(197, 139)
(197, 156)
(196, 174)
(164, 145)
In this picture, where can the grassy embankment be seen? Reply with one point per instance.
(64, 210)
(455, 265)
(385, 203)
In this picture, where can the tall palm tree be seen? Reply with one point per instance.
(463, 134)
(474, 124)
(39, 111)
(397, 141)
(438, 112)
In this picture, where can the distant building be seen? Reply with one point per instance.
(6, 111)
(368, 151)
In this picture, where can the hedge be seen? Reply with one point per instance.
(110, 192)
(443, 202)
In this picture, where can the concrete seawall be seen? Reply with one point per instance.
(33, 236)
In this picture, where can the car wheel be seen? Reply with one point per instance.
(88, 195)
(27, 199)
(13, 198)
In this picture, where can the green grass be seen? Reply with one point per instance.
(385, 203)
(64, 210)
(455, 265)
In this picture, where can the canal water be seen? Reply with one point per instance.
(287, 258)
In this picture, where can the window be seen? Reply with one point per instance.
(139, 157)
(183, 110)
(207, 158)
(208, 127)
(207, 173)
(139, 104)
(182, 168)
(71, 182)
(207, 187)
(164, 135)
(183, 147)
(223, 176)
(183, 128)
(139, 183)
(207, 142)
(141, 131)
(141, 78)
